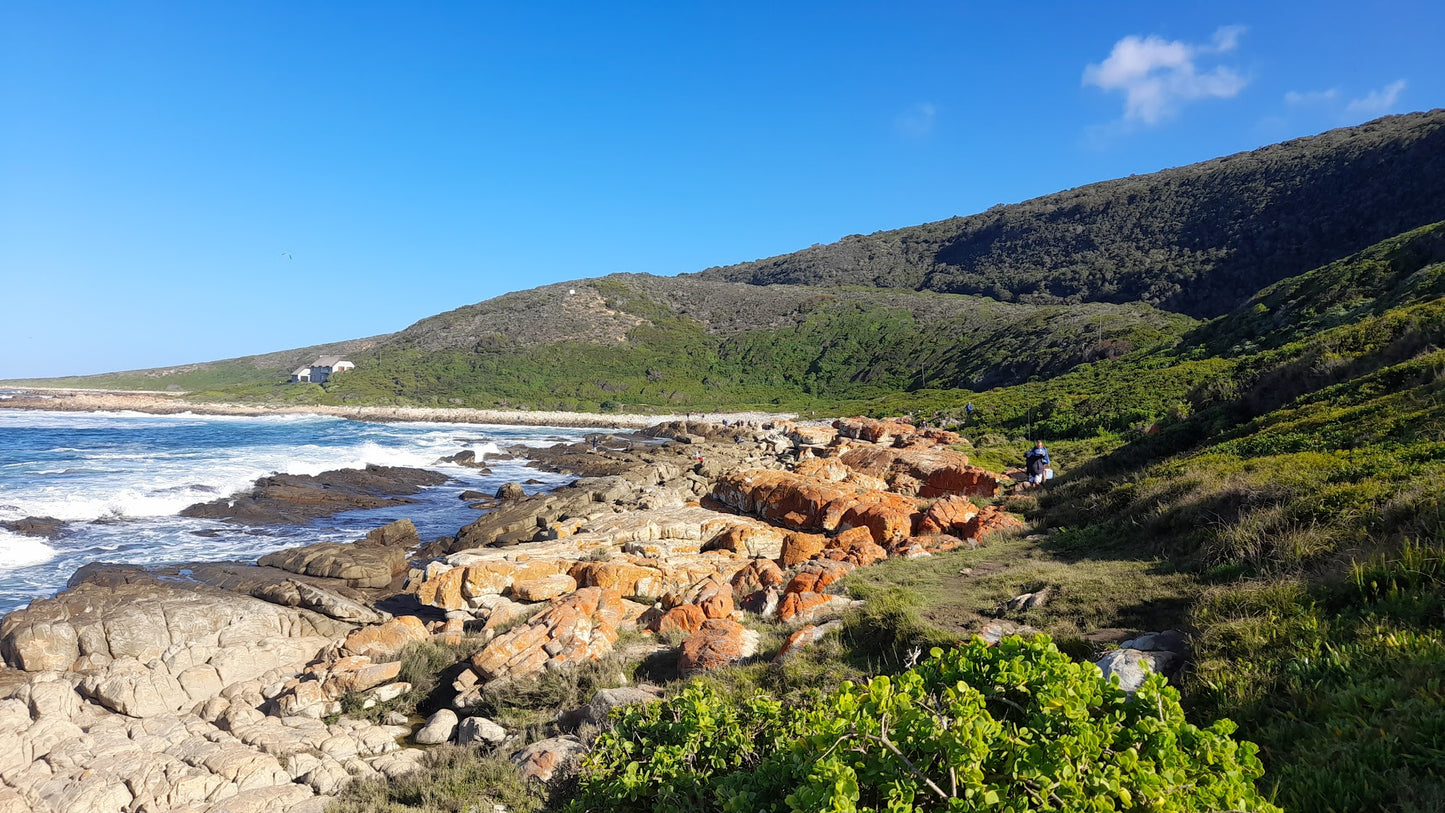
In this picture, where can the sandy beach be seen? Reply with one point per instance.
(158, 403)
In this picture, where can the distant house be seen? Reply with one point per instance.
(318, 371)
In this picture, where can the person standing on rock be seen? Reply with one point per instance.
(1036, 463)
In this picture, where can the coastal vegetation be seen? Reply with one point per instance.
(1269, 481)
(1195, 239)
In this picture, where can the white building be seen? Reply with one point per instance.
(322, 369)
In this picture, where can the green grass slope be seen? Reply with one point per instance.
(1302, 490)
(644, 343)
(1282, 499)
(263, 369)
(659, 343)
(1198, 239)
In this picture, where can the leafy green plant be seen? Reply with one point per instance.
(1013, 727)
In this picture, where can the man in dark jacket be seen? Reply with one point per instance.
(1036, 462)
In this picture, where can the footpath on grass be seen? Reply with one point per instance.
(272, 686)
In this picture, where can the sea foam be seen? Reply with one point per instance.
(22, 551)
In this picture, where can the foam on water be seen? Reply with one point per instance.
(22, 551)
(119, 480)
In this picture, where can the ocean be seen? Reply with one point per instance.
(119, 479)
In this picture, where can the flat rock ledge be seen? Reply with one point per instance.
(299, 498)
(157, 695)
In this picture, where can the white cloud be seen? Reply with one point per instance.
(1226, 38)
(1377, 102)
(917, 121)
(1157, 76)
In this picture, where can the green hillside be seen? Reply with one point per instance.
(1198, 239)
(647, 343)
(1271, 482)
(1302, 487)
(266, 368)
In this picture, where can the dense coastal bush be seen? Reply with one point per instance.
(1197, 239)
(1013, 727)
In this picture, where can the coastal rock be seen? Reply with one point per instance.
(1131, 666)
(511, 491)
(756, 576)
(949, 515)
(805, 637)
(882, 432)
(479, 730)
(399, 534)
(799, 547)
(334, 605)
(802, 607)
(892, 432)
(298, 498)
(580, 627)
(683, 619)
(439, 728)
(168, 644)
(456, 587)
(544, 759)
(747, 540)
(807, 504)
(763, 603)
(816, 575)
(855, 546)
(718, 643)
(385, 640)
(545, 588)
(813, 435)
(713, 595)
(998, 629)
(827, 469)
(600, 707)
(933, 472)
(791, 500)
(357, 673)
(357, 564)
(331, 597)
(46, 527)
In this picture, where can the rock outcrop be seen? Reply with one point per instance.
(158, 694)
(300, 498)
(210, 687)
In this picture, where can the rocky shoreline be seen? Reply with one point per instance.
(154, 403)
(222, 687)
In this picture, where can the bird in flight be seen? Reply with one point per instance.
(286, 254)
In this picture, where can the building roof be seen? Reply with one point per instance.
(300, 371)
(328, 361)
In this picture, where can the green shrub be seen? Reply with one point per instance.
(1013, 727)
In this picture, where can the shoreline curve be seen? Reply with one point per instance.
(82, 400)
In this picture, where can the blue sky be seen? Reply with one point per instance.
(192, 181)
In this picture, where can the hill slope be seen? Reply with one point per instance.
(684, 343)
(1197, 239)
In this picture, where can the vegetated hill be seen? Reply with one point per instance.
(1300, 479)
(1198, 239)
(674, 343)
(669, 343)
(265, 368)
(1388, 275)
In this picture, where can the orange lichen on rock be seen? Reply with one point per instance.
(799, 547)
(579, 627)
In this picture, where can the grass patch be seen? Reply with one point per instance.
(451, 779)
